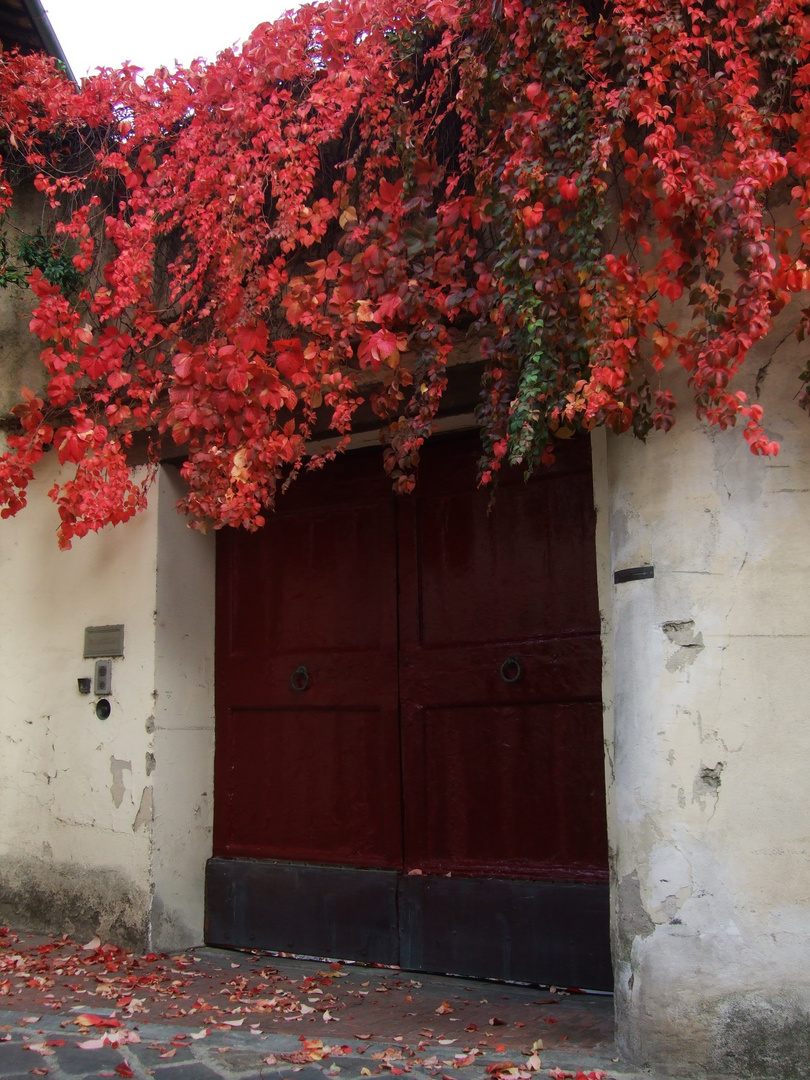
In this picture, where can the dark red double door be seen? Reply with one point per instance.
(409, 762)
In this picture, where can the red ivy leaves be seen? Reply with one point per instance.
(364, 178)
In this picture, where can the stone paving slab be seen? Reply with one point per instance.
(214, 1013)
(217, 986)
(237, 1055)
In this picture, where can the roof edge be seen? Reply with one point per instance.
(42, 25)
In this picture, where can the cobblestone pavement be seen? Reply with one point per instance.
(68, 1011)
(44, 1048)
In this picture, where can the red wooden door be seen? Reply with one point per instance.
(409, 757)
(308, 756)
(500, 672)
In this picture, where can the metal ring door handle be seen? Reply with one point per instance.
(299, 680)
(512, 669)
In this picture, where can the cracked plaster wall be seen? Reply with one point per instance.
(184, 722)
(105, 823)
(71, 784)
(709, 740)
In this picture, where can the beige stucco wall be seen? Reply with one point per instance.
(709, 741)
(183, 739)
(73, 846)
(105, 823)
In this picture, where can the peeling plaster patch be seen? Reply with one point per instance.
(707, 784)
(667, 911)
(670, 883)
(150, 725)
(759, 1038)
(690, 644)
(710, 778)
(634, 920)
(117, 787)
(144, 815)
(150, 764)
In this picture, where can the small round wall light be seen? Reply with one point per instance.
(103, 708)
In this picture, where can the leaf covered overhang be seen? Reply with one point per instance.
(585, 190)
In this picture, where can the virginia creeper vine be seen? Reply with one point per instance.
(240, 243)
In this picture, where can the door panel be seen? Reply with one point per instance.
(408, 714)
(519, 569)
(292, 907)
(308, 754)
(500, 669)
(497, 928)
(500, 791)
(295, 582)
(310, 786)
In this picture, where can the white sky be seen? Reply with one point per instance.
(153, 33)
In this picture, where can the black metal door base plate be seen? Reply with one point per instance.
(511, 929)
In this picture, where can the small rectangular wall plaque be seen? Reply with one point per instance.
(103, 641)
(633, 573)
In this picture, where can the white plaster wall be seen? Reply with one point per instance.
(706, 688)
(74, 851)
(105, 825)
(183, 742)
